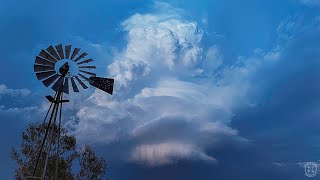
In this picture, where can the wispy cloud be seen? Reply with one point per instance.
(299, 164)
(311, 2)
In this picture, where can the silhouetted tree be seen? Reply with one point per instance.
(89, 165)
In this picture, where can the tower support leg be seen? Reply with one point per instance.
(50, 126)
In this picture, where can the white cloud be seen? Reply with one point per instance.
(15, 104)
(165, 153)
(4, 90)
(24, 113)
(168, 104)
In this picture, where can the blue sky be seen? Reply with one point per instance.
(203, 89)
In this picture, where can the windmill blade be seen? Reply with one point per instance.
(88, 67)
(74, 86)
(46, 55)
(87, 79)
(45, 69)
(81, 83)
(40, 60)
(104, 84)
(60, 51)
(81, 56)
(43, 75)
(58, 83)
(68, 50)
(75, 52)
(90, 73)
(49, 81)
(38, 68)
(86, 61)
(66, 85)
(53, 52)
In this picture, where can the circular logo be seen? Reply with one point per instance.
(310, 169)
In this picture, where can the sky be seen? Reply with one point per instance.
(205, 89)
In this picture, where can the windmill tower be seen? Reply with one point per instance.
(58, 67)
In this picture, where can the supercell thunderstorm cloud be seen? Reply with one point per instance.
(168, 105)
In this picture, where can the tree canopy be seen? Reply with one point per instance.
(74, 163)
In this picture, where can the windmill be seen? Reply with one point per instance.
(58, 67)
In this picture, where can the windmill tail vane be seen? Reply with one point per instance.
(104, 84)
(58, 67)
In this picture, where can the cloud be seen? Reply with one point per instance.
(299, 164)
(286, 113)
(311, 2)
(295, 26)
(165, 153)
(173, 93)
(4, 90)
(169, 105)
(25, 112)
(15, 104)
